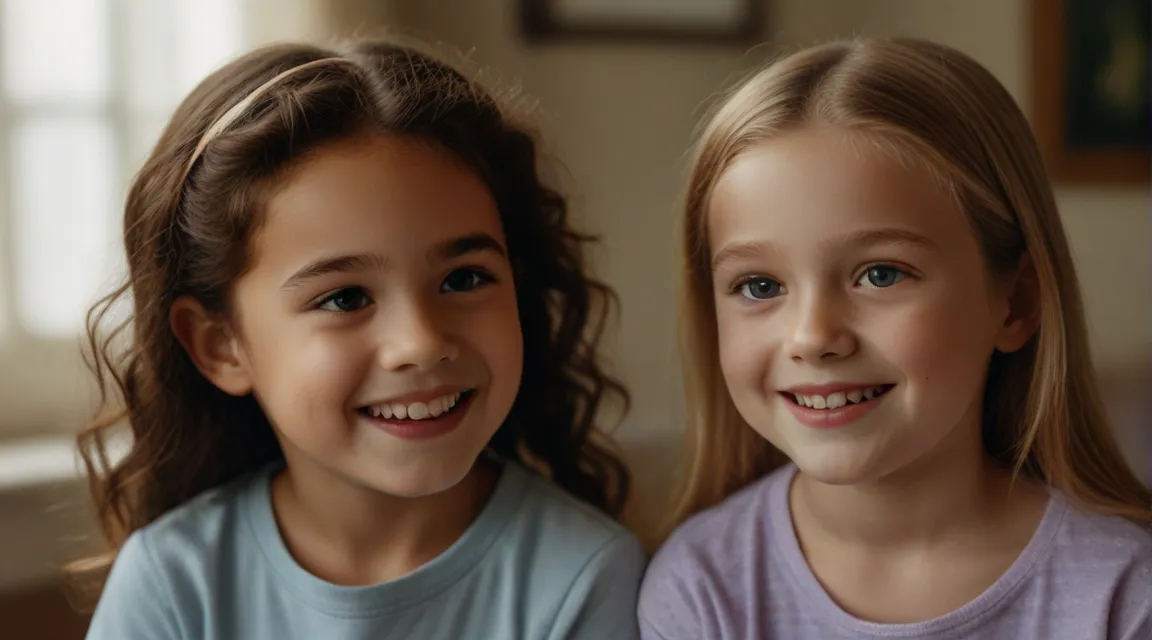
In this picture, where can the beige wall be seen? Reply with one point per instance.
(620, 117)
(314, 20)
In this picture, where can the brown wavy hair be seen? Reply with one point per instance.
(933, 106)
(188, 222)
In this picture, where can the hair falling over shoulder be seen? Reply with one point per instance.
(189, 220)
(1043, 413)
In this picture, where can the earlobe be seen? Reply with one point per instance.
(211, 344)
(1024, 304)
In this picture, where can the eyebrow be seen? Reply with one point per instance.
(865, 238)
(447, 250)
(462, 246)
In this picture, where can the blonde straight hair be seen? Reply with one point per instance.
(936, 107)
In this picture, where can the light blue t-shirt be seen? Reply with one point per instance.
(536, 564)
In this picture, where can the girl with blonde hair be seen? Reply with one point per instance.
(894, 424)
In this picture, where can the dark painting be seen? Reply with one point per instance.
(1107, 79)
(1091, 64)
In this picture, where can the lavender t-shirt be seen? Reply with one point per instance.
(736, 572)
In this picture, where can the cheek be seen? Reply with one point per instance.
(318, 374)
(494, 330)
(942, 345)
(743, 348)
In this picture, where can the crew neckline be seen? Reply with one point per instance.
(990, 600)
(392, 596)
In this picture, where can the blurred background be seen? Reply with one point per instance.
(86, 85)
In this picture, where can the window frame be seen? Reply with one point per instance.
(45, 388)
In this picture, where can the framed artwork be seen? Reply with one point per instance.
(1091, 68)
(671, 21)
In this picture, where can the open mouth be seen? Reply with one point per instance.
(418, 411)
(839, 399)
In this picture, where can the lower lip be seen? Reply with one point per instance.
(832, 418)
(424, 429)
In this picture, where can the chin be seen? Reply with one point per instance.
(419, 487)
(836, 465)
(420, 480)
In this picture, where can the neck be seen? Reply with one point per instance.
(351, 534)
(956, 490)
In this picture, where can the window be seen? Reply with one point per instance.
(85, 88)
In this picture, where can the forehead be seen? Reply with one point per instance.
(383, 195)
(811, 185)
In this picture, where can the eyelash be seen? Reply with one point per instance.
(738, 286)
(479, 276)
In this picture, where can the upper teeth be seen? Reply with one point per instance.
(838, 399)
(415, 410)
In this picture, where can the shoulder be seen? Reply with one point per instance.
(583, 565)
(550, 511)
(718, 535)
(137, 601)
(158, 579)
(1109, 555)
(204, 524)
(1108, 542)
(718, 545)
(575, 532)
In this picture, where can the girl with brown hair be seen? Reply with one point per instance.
(360, 382)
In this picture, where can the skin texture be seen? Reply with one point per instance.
(422, 297)
(834, 263)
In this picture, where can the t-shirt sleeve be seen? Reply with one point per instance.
(1132, 603)
(666, 609)
(136, 603)
(602, 601)
(1141, 630)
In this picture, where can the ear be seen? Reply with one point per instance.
(1022, 318)
(212, 345)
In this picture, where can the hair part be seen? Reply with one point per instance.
(189, 221)
(933, 104)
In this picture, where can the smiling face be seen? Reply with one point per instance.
(856, 317)
(377, 325)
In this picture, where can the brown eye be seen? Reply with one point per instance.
(462, 280)
(346, 301)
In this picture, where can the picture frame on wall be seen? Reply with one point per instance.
(725, 22)
(1091, 64)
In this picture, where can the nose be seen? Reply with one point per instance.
(413, 339)
(821, 330)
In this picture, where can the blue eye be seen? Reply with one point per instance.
(463, 280)
(881, 277)
(760, 288)
(345, 301)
